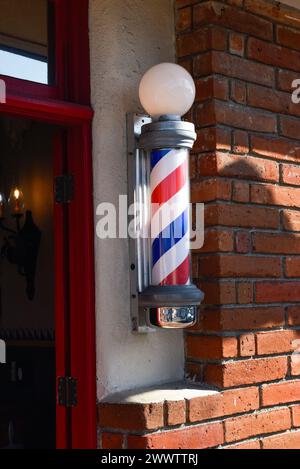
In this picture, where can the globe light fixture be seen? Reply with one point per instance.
(167, 89)
(165, 293)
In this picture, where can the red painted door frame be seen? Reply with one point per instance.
(67, 103)
(80, 269)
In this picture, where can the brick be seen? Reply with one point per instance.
(217, 240)
(218, 404)
(242, 242)
(187, 64)
(212, 138)
(250, 371)
(131, 416)
(237, 44)
(211, 189)
(201, 41)
(194, 42)
(247, 167)
(175, 412)
(273, 11)
(184, 19)
(244, 292)
(219, 39)
(290, 127)
(241, 216)
(195, 273)
(239, 428)
(275, 342)
(242, 318)
(240, 142)
(205, 114)
(212, 87)
(235, 67)
(241, 192)
(239, 92)
(275, 195)
(232, 18)
(293, 315)
(291, 220)
(295, 357)
(291, 174)
(285, 79)
(183, 3)
(241, 116)
(234, 115)
(273, 243)
(280, 393)
(290, 440)
(193, 167)
(296, 415)
(295, 364)
(273, 147)
(277, 292)
(271, 100)
(196, 437)
(237, 3)
(111, 440)
(288, 37)
(211, 347)
(202, 64)
(218, 293)
(253, 444)
(273, 54)
(292, 267)
(247, 345)
(240, 266)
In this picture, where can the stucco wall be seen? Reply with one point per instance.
(126, 38)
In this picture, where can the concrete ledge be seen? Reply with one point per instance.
(159, 394)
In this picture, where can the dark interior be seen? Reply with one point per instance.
(27, 390)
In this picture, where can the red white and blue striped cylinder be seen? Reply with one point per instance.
(170, 231)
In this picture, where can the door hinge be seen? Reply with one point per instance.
(67, 391)
(64, 189)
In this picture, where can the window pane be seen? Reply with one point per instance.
(19, 66)
(26, 45)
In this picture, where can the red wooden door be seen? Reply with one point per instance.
(76, 425)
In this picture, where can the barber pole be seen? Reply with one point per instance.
(170, 233)
(166, 296)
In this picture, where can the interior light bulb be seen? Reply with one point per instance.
(16, 201)
(167, 89)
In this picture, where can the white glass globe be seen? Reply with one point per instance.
(167, 88)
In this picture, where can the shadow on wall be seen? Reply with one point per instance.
(249, 266)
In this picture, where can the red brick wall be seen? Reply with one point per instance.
(244, 55)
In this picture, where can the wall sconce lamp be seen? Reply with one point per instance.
(21, 245)
(162, 294)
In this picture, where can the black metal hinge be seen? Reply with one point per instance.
(67, 391)
(64, 189)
